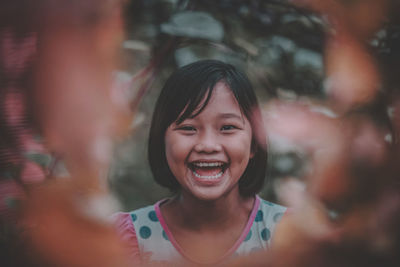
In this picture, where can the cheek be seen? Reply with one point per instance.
(170, 150)
(240, 151)
(168, 153)
(172, 157)
(176, 149)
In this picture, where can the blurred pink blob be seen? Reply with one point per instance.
(290, 191)
(16, 53)
(300, 125)
(15, 107)
(333, 145)
(32, 173)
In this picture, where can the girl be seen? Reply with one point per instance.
(202, 146)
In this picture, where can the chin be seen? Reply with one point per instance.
(210, 196)
(207, 198)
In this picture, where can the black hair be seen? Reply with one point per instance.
(180, 98)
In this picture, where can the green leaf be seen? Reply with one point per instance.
(194, 25)
(41, 159)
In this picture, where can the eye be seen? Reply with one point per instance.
(187, 129)
(228, 127)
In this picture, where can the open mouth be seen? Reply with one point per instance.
(208, 170)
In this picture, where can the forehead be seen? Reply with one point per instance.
(223, 96)
(222, 100)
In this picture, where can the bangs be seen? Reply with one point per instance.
(197, 103)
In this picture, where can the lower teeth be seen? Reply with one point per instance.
(207, 176)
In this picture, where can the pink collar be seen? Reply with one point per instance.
(228, 253)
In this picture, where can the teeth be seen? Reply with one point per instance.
(208, 164)
(208, 176)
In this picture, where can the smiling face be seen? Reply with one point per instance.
(208, 154)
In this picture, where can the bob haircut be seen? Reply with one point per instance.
(181, 96)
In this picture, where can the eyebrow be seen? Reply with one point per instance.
(224, 116)
(230, 115)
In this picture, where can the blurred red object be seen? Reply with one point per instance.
(56, 69)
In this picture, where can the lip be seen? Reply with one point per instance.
(207, 161)
(207, 181)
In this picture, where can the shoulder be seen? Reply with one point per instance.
(145, 213)
(126, 232)
(124, 223)
(265, 204)
(270, 212)
(264, 218)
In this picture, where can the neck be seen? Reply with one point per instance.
(199, 215)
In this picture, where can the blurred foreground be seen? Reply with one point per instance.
(63, 111)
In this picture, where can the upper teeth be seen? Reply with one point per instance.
(208, 176)
(208, 164)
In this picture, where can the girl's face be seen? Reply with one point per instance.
(209, 153)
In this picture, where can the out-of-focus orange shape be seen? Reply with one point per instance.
(352, 78)
(60, 233)
(360, 18)
(73, 97)
(365, 16)
(79, 119)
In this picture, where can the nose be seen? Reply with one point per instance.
(208, 143)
